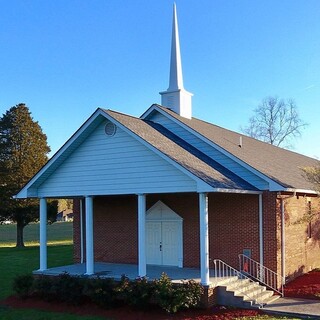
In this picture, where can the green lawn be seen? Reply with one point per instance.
(57, 233)
(16, 261)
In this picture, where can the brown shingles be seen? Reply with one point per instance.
(281, 165)
(196, 166)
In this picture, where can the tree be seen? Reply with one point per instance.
(275, 121)
(23, 151)
(313, 175)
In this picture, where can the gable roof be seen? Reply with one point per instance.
(158, 139)
(280, 165)
(183, 154)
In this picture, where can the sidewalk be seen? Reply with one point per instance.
(294, 307)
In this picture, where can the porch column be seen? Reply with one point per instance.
(142, 265)
(89, 236)
(43, 234)
(204, 239)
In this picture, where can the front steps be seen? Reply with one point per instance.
(244, 293)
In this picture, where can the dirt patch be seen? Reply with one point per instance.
(306, 286)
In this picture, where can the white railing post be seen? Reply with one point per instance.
(259, 272)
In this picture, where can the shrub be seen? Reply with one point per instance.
(173, 297)
(139, 292)
(23, 285)
(69, 289)
(102, 292)
(45, 289)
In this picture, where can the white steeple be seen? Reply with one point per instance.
(176, 97)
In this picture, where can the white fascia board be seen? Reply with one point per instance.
(200, 183)
(148, 111)
(23, 193)
(273, 186)
(236, 191)
(304, 191)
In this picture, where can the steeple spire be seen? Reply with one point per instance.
(176, 80)
(176, 97)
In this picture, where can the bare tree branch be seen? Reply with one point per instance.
(275, 121)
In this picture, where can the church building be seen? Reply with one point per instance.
(168, 189)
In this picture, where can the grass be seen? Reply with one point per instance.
(57, 233)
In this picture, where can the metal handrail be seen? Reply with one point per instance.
(224, 270)
(259, 272)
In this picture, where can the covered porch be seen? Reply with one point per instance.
(117, 270)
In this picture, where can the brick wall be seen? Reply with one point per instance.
(233, 226)
(302, 247)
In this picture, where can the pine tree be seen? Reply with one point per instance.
(23, 151)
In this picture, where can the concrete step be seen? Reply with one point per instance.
(245, 293)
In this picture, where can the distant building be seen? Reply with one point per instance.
(65, 215)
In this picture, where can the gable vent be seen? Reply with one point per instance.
(110, 129)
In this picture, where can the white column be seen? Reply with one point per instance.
(260, 229)
(89, 236)
(81, 231)
(142, 265)
(43, 234)
(204, 239)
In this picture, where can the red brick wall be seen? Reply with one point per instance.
(233, 226)
(302, 252)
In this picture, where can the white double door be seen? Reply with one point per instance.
(163, 243)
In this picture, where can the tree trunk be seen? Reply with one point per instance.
(20, 242)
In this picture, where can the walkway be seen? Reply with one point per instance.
(294, 307)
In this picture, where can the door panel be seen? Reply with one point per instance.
(153, 238)
(170, 242)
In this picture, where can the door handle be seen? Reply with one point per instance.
(160, 246)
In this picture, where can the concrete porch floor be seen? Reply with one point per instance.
(116, 270)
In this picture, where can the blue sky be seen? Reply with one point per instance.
(65, 58)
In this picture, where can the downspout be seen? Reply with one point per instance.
(81, 231)
(283, 243)
(260, 229)
(283, 238)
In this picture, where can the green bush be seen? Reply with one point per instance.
(23, 285)
(108, 293)
(174, 297)
(138, 293)
(102, 292)
(69, 289)
(45, 289)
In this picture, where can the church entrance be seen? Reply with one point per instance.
(163, 236)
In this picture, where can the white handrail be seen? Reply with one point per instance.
(224, 270)
(259, 272)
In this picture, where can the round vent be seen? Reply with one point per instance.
(110, 129)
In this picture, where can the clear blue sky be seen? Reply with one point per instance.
(65, 58)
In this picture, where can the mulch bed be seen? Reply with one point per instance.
(127, 313)
(306, 286)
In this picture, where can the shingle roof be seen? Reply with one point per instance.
(281, 165)
(183, 154)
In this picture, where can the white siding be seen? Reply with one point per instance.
(119, 164)
(210, 151)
